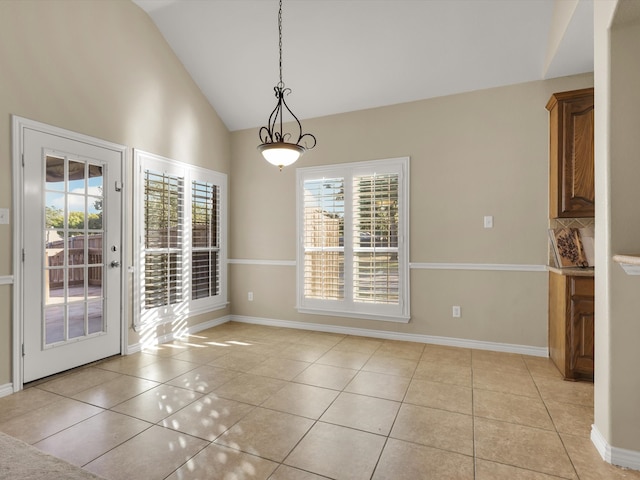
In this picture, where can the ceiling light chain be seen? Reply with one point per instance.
(275, 148)
(280, 40)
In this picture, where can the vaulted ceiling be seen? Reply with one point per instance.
(345, 55)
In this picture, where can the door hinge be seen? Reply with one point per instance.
(23, 254)
(118, 186)
(23, 349)
(23, 159)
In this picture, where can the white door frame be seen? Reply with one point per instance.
(19, 125)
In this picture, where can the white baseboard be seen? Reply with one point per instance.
(169, 337)
(6, 389)
(409, 337)
(614, 455)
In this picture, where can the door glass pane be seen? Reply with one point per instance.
(95, 283)
(54, 321)
(54, 286)
(76, 315)
(94, 217)
(73, 268)
(76, 177)
(95, 199)
(54, 173)
(77, 216)
(96, 319)
(54, 213)
(75, 249)
(76, 288)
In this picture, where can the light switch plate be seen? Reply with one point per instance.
(4, 216)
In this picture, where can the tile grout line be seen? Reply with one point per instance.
(473, 419)
(395, 418)
(317, 420)
(555, 427)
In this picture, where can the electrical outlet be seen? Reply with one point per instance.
(455, 311)
(250, 296)
(488, 221)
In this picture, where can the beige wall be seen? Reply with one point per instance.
(474, 154)
(100, 68)
(624, 168)
(617, 384)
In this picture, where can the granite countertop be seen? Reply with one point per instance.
(628, 259)
(573, 271)
(629, 263)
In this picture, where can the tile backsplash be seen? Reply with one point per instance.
(568, 223)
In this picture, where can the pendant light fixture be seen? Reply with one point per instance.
(275, 147)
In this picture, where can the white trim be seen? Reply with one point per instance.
(177, 318)
(365, 316)
(6, 389)
(347, 304)
(614, 455)
(506, 267)
(17, 133)
(207, 309)
(604, 449)
(143, 318)
(500, 267)
(408, 337)
(169, 337)
(18, 125)
(248, 261)
(6, 280)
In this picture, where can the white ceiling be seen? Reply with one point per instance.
(345, 55)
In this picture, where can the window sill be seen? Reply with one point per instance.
(364, 316)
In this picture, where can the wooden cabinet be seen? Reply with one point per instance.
(571, 325)
(571, 154)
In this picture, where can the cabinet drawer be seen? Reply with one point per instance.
(582, 286)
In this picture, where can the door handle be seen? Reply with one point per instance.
(115, 264)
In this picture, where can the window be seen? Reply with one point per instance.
(205, 239)
(353, 253)
(180, 223)
(163, 228)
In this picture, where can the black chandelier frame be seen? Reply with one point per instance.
(272, 135)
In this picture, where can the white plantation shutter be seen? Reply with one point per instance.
(353, 255)
(163, 228)
(323, 239)
(375, 241)
(180, 232)
(205, 237)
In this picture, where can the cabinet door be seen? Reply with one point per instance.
(580, 343)
(577, 195)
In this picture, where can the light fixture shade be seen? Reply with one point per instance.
(281, 154)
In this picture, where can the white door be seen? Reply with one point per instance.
(72, 242)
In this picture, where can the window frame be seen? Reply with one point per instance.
(143, 161)
(348, 307)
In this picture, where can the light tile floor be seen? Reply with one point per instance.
(240, 402)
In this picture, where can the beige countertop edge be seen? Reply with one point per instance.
(627, 259)
(573, 271)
